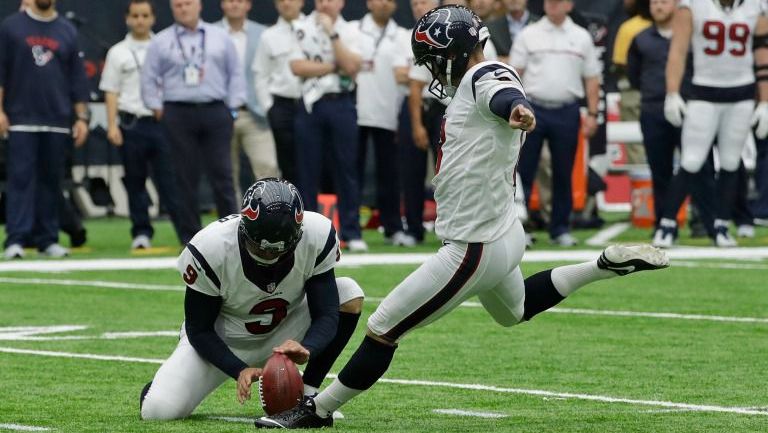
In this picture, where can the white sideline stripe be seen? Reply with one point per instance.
(105, 336)
(352, 260)
(460, 412)
(88, 283)
(719, 265)
(605, 235)
(233, 419)
(589, 397)
(19, 427)
(465, 386)
(658, 315)
(588, 312)
(32, 333)
(80, 355)
(138, 334)
(41, 329)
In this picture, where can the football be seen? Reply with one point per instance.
(280, 385)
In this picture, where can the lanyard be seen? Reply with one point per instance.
(378, 40)
(192, 54)
(135, 59)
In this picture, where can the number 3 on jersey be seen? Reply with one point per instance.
(736, 33)
(277, 307)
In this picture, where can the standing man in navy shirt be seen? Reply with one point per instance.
(192, 80)
(43, 96)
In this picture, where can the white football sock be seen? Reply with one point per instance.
(567, 279)
(309, 390)
(333, 398)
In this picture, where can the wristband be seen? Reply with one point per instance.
(333, 36)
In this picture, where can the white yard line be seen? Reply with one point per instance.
(80, 355)
(459, 412)
(138, 334)
(236, 419)
(605, 235)
(18, 427)
(354, 260)
(706, 265)
(92, 283)
(658, 315)
(464, 386)
(105, 336)
(619, 313)
(589, 397)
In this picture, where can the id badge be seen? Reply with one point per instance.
(192, 75)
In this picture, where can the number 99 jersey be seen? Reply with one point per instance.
(722, 41)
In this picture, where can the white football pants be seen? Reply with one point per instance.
(456, 273)
(729, 122)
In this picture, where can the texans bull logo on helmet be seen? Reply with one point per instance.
(250, 213)
(436, 36)
(298, 216)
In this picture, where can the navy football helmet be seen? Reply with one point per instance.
(271, 218)
(443, 40)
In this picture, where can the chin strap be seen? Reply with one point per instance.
(448, 88)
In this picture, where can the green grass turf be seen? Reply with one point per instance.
(696, 362)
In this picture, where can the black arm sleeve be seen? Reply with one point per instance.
(634, 66)
(505, 100)
(200, 312)
(323, 300)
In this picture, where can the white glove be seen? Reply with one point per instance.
(674, 109)
(760, 119)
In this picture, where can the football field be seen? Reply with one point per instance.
(679, 350)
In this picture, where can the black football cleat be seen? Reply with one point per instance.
(301, 416)
(626, 259)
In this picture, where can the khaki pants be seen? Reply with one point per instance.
(255, 138)
(630, 110)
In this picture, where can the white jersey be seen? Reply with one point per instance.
(722, 41)
(258, 302)
(474, 184)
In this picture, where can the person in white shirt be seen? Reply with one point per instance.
(277, 88)
(485, 126)
(132, 127)
(378, 106)
(251, 131)
(327, 59)
(559, 66)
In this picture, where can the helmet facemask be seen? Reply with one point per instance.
(442, 70)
